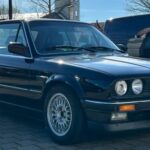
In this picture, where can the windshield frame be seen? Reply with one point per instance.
(69, 52)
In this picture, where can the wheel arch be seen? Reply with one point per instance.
(69, 82)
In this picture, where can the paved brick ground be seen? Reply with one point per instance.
(21, 133)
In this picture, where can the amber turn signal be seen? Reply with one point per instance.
(125, 108)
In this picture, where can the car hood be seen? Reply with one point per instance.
(114, 65)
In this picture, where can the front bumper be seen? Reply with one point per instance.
(99, 114)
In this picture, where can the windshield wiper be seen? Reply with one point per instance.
(96, 48)
(61, 47)
(90, 49)
(73, 48)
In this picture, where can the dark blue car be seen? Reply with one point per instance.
(74, 75)
(120, 30)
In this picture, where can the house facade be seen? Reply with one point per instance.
(70, 9)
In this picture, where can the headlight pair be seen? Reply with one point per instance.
(121, 87)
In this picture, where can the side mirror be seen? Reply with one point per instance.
(18, 48)
(122, 47)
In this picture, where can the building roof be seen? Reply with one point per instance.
(54, 15)
(99, 25)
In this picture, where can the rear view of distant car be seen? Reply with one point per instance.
(120, 30)
(139, 46)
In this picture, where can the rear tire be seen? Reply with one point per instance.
(63, 115)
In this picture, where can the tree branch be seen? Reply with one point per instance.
(138, 6)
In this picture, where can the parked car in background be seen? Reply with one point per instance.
(139, 46)
(74, 75)
(120, 30)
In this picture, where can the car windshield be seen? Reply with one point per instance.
(62, 36)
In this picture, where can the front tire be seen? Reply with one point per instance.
(63, 115)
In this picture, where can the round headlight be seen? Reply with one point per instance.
(137, 86)
(121, 88)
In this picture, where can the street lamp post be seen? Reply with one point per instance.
(10, 9)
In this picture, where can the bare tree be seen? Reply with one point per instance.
(44, 5)
(48, 6)
(4, 11)
(138, 6)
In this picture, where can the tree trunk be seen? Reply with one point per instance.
(49, 7)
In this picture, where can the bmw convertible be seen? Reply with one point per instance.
(74, 75)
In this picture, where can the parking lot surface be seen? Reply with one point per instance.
(18, 132)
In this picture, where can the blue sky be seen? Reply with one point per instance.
(91, 10)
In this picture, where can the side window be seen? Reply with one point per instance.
(10, 33)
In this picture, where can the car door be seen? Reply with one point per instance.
(14, 69)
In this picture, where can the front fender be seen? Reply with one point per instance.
(72, 82)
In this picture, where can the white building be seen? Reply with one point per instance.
(70, 9)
